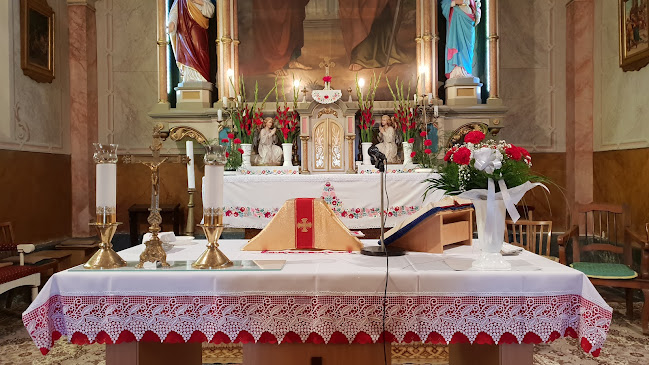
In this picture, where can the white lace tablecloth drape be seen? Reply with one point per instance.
(321, 297)
(251, 200)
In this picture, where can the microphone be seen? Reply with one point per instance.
(377, 158)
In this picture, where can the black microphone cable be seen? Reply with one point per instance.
(387, 270)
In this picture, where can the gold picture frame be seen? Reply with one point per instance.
(37, 40)
(634, 34)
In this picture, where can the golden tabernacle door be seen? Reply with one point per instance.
(328, 146)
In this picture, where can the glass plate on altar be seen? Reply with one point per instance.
(238, 265)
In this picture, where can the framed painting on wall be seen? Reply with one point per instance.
(634, 34)
(37, 40)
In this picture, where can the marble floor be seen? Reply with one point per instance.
(625, 346)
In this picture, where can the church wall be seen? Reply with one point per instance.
(620, 115)
(34, 135)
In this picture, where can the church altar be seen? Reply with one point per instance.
(313, 300)
(250, 203)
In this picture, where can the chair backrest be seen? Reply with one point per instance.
(534, 236)
(6, 233)
(601, 228)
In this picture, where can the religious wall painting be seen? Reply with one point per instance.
(634, 34)
(37, 40)
(291, 38)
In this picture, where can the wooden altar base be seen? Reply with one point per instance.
(467, 354)
(145, 353)
(313, 354)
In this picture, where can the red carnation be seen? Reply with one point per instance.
(411, 140)
(227, 154)
(428, 142)
(237, 140)
(428, 151)
(413, 154)
(423, 133)
(240, 150)
(225, 140)
(524, 152)
(514, 153)
(474, 137)
(326, 79)
(447, 157)
(230, 135)
(462, 156)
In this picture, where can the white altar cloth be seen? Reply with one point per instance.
(252, 201)
(321, 297)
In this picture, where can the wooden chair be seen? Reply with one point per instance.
(602, 248)
(534, 236)
(13, 276)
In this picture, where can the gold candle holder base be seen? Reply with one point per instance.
(105, 257)
(212, 258)
(153, 252)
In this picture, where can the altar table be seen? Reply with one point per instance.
(322, 298)
(251, 201)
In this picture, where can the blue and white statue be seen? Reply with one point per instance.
(462, 17)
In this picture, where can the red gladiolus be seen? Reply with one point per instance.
(413, 154)
(428, 151)
(514, 153)
(474, 137)
(326, 79)
(248, 132)
(237, 140)
(462, 156)
(230, 135)
(225, 140)
(423, 133)
(240, 150)
(411, 140)
(428, 142)
(227, 154)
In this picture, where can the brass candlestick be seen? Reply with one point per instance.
(212, 257)
(105, 257)
(189, 229)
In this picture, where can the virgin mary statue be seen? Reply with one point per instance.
(188, 23)
(462, 17)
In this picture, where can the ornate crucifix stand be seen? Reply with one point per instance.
(153, 251)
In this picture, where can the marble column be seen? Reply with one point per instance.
(224, 35)
(434, 66)
(494, 58)
(580, 30)
(163, 43)
(83, 111)
(428, 40)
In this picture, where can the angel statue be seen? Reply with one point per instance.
(388, 139)
(268, 152)
(462, 16)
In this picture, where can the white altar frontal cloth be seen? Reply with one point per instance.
(322, 297)
(251, 201)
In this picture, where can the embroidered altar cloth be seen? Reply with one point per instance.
(321, 297)
(251, 201)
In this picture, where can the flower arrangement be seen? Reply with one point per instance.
(365, 107)
(233, 152)
(285, 118)
(470, 166)
(425, 156)
(246, 117)
(327, 82)
(405, 111)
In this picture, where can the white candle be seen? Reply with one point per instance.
(225, 101)
(106, 185)
(436, 111)
(415, 98)
(219, 115)
(239, 98)
(213, 191)
(191, 179)
(230, 74)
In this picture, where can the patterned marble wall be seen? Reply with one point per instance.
(532, 72)
(620, 115)
(33, 116)
(127, 71)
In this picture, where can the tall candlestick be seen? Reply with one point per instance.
(191, 179)
(219, 115)
(105, 157)
(213, 187)
(225, 101)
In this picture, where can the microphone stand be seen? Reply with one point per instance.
(382, 250)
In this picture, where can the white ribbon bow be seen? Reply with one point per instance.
(487, 160)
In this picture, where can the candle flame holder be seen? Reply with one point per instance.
(212, 257)
(105, 257)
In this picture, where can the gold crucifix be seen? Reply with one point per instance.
(304, 225)
(154, 251)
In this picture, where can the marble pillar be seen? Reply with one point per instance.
(163, 43)
(83, 111)
(494, 58)
(580, 24)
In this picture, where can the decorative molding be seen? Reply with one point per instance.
(89, 3)
(327, 111)
(178, 133)
(22, 129)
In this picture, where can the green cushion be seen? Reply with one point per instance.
(598, 270)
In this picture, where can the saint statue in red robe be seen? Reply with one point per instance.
(188, 23)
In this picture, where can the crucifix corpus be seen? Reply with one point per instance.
(153, 252)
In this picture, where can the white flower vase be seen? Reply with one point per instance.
(247, 150)
(407, 150)
(490, 239)
(365, 146)
(287, 149)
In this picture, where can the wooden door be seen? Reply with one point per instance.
(328, 146)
